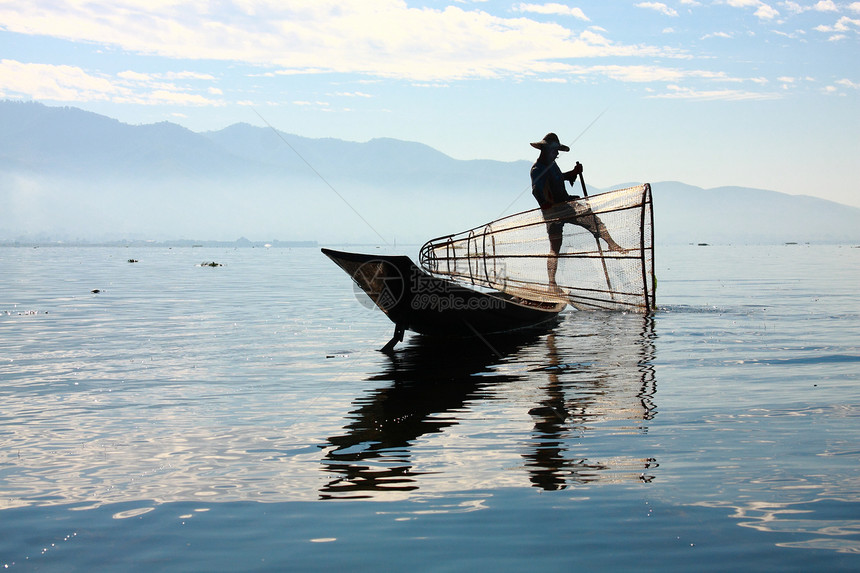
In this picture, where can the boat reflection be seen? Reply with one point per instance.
(428, 387)
(426, 384)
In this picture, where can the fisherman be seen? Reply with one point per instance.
(559, 207)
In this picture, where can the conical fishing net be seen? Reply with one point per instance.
(594, 253)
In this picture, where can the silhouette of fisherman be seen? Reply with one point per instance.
(559, 207)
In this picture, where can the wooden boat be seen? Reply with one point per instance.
(416, 300)
(505, 275)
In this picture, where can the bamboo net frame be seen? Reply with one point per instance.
(606, 259)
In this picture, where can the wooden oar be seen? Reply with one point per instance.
(596, 238)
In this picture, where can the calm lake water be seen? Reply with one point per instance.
(196, 418)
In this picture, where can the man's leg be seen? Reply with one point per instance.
(555, 239)
(586, 218)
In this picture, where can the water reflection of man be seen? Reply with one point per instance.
(559, 207)
(546, 462)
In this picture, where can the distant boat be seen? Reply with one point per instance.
(498, 277)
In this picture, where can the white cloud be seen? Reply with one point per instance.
(188, 76)
(825, 6)
(793, 35)
(793, 7)
(352, 94)
(766, 12)
(66, 83)
(167, 97)
(678, 92)
(384, 38)
(846, 24)
(134, 76)
(743, 3)
(821, 6)
(639, 74)
(593, 38)
(651, 74)
(376, 40)
(48, 82)
(659, 7)
(843, 26)
(54, 83)
(854, 7)
(762, 11)
(552, 8)
(311, 103)
(789, 82)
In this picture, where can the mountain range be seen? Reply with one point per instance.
(72, 175)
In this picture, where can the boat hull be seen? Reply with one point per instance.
(420, 302)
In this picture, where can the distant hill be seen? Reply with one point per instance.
(733, 215)
(67, 174)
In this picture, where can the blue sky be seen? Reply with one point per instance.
(710, 92)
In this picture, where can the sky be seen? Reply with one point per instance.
(753, 93)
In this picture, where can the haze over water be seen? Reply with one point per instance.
(189, 417)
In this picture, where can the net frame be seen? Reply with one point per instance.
(513, 254)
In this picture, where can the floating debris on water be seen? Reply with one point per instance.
(22, 312)
(558, 367)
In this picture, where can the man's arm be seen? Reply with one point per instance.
(571, 175)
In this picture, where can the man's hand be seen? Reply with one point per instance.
(571, 175)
